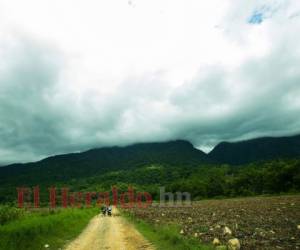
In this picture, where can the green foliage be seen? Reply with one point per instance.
(166, 237)
(205, 181)
(75, 169)
(36, 229)
(273, 177)
(176, 165)
(8, 214)
(260, 149)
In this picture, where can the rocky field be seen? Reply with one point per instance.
(254, 223)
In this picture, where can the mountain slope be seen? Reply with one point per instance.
(177, 165)
(256, 150)
(98, 161)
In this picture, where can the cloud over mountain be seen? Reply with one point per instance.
(154, 72)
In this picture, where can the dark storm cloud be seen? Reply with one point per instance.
(29, 125)
(40, 116)
(258, 99)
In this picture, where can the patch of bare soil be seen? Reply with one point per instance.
(113, 233)
(258, 222)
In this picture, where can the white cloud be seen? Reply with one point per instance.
(109, 72)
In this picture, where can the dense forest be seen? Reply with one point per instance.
(176, 165)
(206, 181)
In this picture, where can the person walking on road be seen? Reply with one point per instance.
(104, 210)
(109, 210)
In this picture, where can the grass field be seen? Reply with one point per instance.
(35, 229)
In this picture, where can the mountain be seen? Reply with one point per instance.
(259, 149)
(97, 161)
(176, 165)
(93, 162)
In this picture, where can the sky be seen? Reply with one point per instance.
(76, 74)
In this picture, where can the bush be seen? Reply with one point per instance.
(8, 214)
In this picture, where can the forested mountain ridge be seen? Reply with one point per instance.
(267, 165)
(259, 149)
(97, 161)
(173, 153)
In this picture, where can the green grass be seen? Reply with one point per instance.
(36, 229)
(166, 237)
(9, 213)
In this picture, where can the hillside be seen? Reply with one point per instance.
(62, 168)
(177, 165)
(259, 149)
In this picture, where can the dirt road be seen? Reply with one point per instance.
(109, 233)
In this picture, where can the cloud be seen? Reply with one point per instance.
(79, 88)
(259, 98)
(28, 122)
(42, 115)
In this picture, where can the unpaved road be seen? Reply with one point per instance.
(109, 233)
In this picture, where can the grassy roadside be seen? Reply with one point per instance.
(37, 229)
(165, 237)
